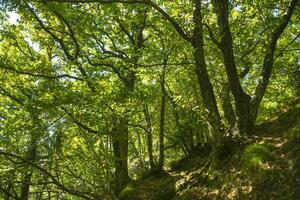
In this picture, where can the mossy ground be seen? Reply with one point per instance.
(265, 166)
(158, 187)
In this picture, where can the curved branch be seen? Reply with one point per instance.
(285, 48)
(173, 22)
(4, 92)
(111, 66)
(47, 30)
(139, 126)
(79, 124)
(212, 35)
(269, 56)
(71, 33)
(41, 75)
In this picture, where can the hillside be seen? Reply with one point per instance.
(263, 166)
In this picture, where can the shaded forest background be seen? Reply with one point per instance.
(149, 99)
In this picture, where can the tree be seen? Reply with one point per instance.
(107, 82)
(245, 106)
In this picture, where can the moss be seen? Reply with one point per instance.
(256, 154)
(129, 193)
(150, 188)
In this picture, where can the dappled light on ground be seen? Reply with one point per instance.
(266, 166)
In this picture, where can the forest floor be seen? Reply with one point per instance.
(264, 166)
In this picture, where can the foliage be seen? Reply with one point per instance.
(96, 94)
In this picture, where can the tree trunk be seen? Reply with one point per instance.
(120, 148)
(162, 120)
(269, 59)
(207, 92)
(246, 108)
(26, 184)
(149, 137)
(120, 138)
(227, 107)
(31, 156)
(241, 99)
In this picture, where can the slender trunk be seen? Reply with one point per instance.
(192, 139)
(269, 59)
(140, 149)
(31, 156)
(207, 93)
(120, 148)
(149, 137)
(26, 184)
(242, 99)
(162, 120)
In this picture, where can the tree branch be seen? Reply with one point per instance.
(47, 30)
(41, 75)
(140, 126)
(284, 49)
(7, 94)
(71, 33)
(173, 22)
(269, 56)
(55, 181)
(62, 43)
(79, 124)
(212, 35)
(124, 30)
(111, 66)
